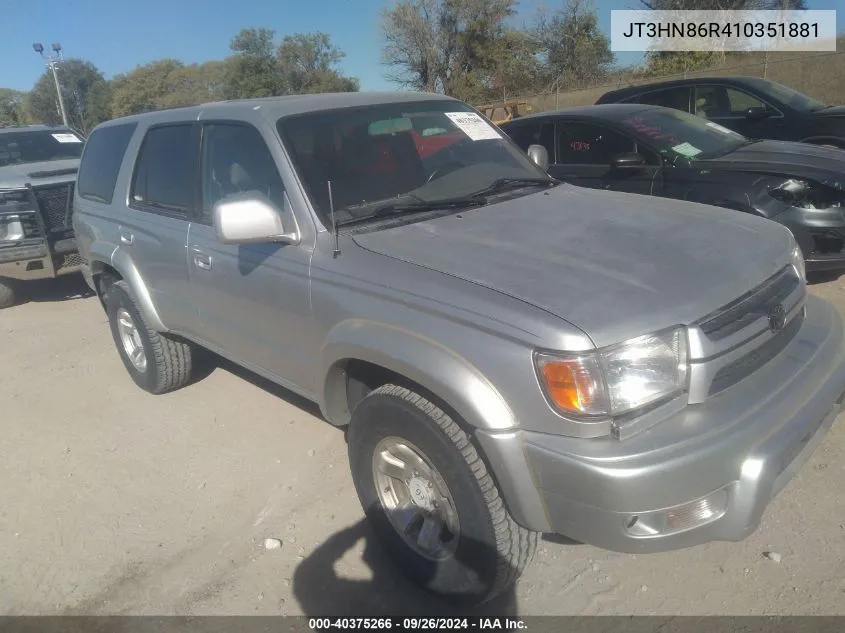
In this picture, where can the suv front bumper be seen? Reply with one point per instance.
(706, 474)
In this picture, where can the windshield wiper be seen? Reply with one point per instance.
(477, 199)
(503, 184)
(394, 209)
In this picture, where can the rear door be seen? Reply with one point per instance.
(153, 230)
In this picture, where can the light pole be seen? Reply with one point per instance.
(53, 61)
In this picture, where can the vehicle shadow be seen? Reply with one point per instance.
(321, 592)
(209, 362)
(64, 288)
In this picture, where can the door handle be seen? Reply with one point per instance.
(126, 237)
(201, 260)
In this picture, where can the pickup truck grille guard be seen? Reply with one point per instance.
(733, 342)
(54, 204)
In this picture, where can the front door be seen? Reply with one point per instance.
(253, 299)
(585, 153)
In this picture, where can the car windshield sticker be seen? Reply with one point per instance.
(718, 127)
(67, 138)
(685, 149)
(473, 125)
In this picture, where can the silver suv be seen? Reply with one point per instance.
(510, 354)
(38, 167)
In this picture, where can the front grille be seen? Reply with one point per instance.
(54, 202)
(751, 306)
(746, 365)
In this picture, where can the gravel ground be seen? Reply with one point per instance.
(118, 502)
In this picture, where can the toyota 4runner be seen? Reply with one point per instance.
(510, 354)
(37, 171)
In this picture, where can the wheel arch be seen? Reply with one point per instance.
(361, 355)
(109, 264)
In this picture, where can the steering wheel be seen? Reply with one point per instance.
(447, 168)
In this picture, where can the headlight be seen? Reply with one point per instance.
(617, 379)
(805, 194)
(11, 229)
(798, 262)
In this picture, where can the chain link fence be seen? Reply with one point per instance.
(819, 75)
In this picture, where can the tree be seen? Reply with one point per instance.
(449, 46)
(307, 64)
(12, 107)
(166, 83)
(252, 71)
(573, 47)
(303, 63)
(517, 69)
(85, 91)
(141, 89)
(194, 84)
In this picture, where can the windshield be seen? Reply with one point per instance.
(677, 134)
(415, 153)
(789, 96)
(17, 148)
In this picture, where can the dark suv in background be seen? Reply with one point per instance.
(38, 166)
(754, 107)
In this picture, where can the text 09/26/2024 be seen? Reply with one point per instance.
(417, 624)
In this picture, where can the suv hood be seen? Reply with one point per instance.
(614, 265)
(41, 173)
(784, 157)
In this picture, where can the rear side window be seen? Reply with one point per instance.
(101, 161)
(676, 98)
(165, 174)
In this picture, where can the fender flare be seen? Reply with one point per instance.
(102, 254)
(424, 361)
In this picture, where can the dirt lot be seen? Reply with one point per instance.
(117, 502)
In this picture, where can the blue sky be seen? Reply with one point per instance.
(117, 36)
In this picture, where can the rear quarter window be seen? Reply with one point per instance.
(101, 161)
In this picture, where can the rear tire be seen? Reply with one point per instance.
(489, 551)
(157, 362)
(7, 294)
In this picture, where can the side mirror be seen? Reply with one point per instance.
(628, 160)
(539, 156)
(248, 218)
(757, 112)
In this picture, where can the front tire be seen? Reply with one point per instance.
(7, 294)
(157, 362)
(430, 499)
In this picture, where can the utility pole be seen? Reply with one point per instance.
(53, 61)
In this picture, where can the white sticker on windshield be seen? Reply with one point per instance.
(67, 138)
(718, 127)
(685, 149)
(473, 125)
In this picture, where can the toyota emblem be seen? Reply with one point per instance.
(777, 318)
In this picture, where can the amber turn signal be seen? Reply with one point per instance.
(573, 384)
